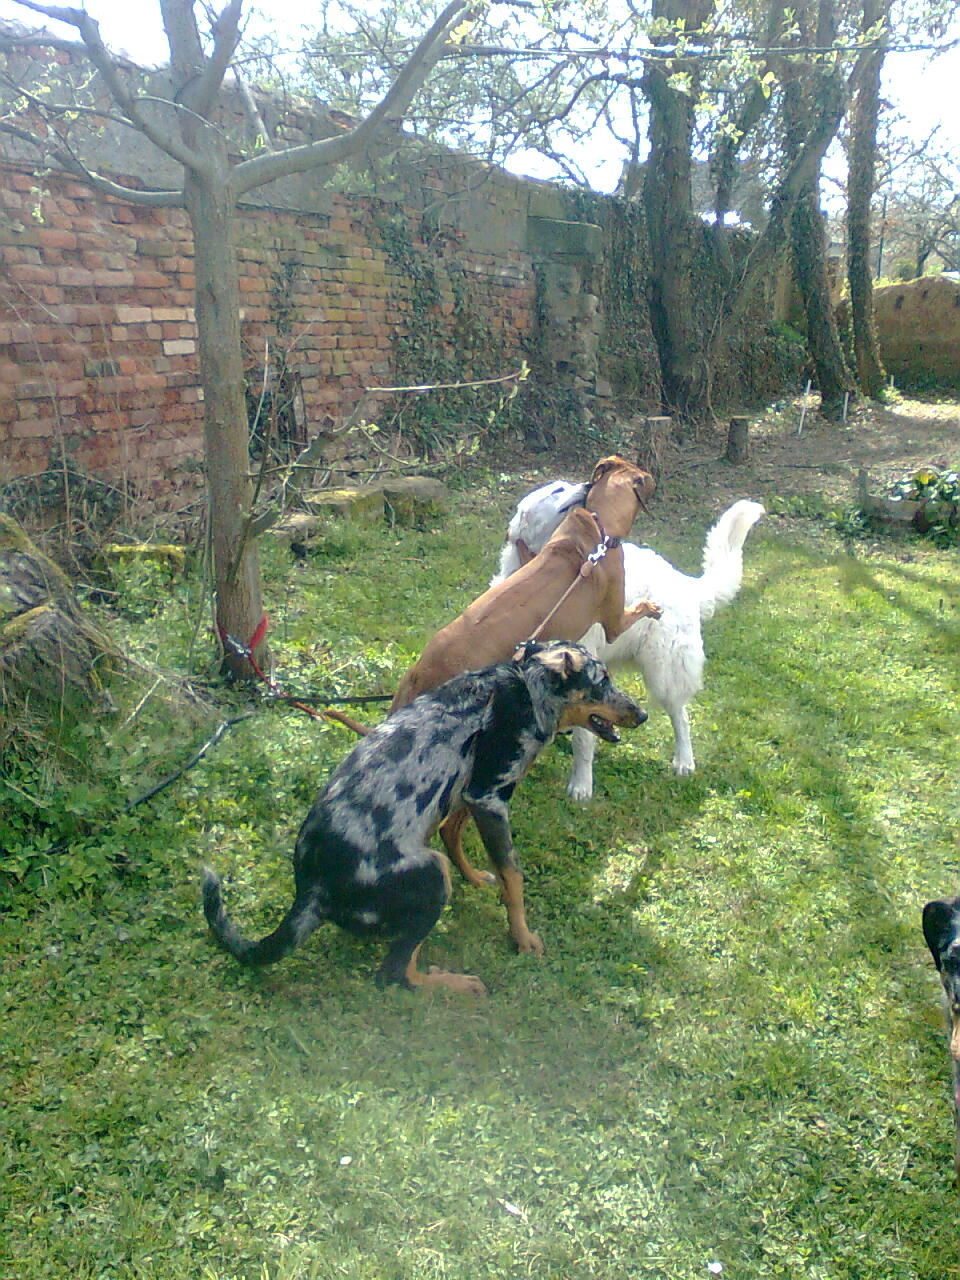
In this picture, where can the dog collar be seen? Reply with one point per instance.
(610, 544)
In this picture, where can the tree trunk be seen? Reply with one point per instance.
(813, 278)
(860, 186)
(804, 88)
(672, 230)
(236, 571)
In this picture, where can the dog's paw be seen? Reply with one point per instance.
(478, 879)
(580, 790)
(464, 984)
(646, 609)
(529, 944)
(684, 768)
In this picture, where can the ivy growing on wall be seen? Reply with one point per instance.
(447, 339)
(759, 362)
(628, 353)
(273, 395)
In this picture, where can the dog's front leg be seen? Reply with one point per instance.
(615, 624)
(493, 823)
(613, 615)
(580, 786)
(451, 833)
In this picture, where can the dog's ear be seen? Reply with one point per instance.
(940, 921)
(604, 466)
(526, 650)
(524, 552)
(562, 659)
(570, 664)
(644, 486)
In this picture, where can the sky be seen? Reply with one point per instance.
(924, 90)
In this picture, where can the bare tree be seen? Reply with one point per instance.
(184, 127)
(921, 212)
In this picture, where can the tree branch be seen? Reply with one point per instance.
(107, 65)
(280, 164)
(252, 112)
(69, 162)
(833, 99)
(226, 36)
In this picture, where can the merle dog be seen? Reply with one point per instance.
(941, 928)
(361, 859)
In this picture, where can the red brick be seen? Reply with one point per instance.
(149, 280)
(33, 427)
(55, 238)
(28, 273)
(74, 277)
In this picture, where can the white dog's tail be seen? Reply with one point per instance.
(723, 556)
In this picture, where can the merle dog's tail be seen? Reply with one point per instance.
(299, 922)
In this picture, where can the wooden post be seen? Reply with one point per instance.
(738, 445)
(657, 431)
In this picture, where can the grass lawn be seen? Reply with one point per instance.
(731, 1055)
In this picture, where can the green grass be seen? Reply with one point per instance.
(731, 1052)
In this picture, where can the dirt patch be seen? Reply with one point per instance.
(818, 456)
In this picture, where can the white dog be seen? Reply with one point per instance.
(668, 652)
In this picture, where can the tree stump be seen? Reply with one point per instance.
(738, 443)
(657, 432)
(50, 654)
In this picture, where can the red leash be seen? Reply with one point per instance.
(245, 651)
(240, 650)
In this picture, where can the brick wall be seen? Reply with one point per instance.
(97, 338)
(456, 269)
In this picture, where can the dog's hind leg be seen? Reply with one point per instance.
(410, 903)
(400, 967)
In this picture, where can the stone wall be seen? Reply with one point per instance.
(918, 328)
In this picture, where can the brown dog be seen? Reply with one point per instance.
(490, 629)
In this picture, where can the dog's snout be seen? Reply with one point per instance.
(629, 713)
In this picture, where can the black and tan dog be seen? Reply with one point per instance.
(941, 928)
(361, 858)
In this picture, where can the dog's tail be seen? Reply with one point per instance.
(299, 922)
(510, 562)
(723, 556)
